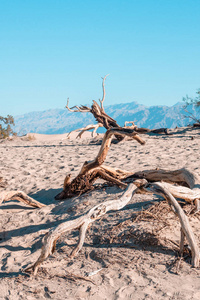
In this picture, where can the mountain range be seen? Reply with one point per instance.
(56, 121)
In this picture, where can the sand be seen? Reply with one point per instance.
(126, 255)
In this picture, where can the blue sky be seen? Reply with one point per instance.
(52, 50)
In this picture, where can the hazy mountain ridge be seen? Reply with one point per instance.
(56, 121)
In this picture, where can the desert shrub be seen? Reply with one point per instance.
(192, 102)
(5, 126)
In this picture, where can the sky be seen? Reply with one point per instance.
(54, 49)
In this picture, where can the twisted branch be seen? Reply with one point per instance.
(82, 224)
(82, 108)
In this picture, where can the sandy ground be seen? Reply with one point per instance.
(126, 255)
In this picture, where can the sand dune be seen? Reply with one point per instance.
(124, 256)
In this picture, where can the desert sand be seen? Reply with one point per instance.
(128, 254)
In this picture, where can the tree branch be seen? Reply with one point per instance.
(104, 93)
(82, 108)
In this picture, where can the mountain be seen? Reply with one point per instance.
(54, 121)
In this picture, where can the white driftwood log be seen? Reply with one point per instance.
(82, 223)
(20, 196)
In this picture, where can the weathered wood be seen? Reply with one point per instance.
(181, 176)
(186, 229)
(99, 210)
(98, 112)
(92, 170)
(20, 196)
(101, 156)
(181, 192)
(87, 128)
(82, 223)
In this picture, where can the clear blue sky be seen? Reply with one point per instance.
(51, 50)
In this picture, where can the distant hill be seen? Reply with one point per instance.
(56, 121)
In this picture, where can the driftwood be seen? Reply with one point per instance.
(142, 130)
(93, 170)
(187, 188)
(82, 222)
(181, 176)
(86, 128)
(186, 230)
(17, 195)
(20, 196)
(104, 120)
